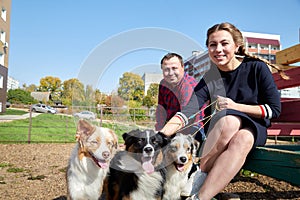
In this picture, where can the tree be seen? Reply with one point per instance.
(73, 92)
(30, 88)
(152, 95)
(131, 87)
(100, 97)
(50, 84)
(114, 101)
(19, 96)
(89, 96)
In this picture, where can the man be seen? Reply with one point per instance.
(175, 91)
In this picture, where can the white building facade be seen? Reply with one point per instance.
(12, 83)
(149, 78)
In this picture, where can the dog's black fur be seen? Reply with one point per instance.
(128, 177)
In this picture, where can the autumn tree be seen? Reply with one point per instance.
(50, 84)
(100, 97)
(131, 87)
(73, 91)
(89, 96)
(152, 95)
(30, 88)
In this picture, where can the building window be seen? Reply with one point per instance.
(3, 14)
(272, 57)
(2, 36)
(1, 81)
(1, 59)
(264, 47)
(252, 46)
(264, 56)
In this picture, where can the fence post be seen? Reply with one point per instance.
(101, 115)
(30, 125)
(66, 129)
(134, 115)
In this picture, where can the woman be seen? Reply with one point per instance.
(245, 97)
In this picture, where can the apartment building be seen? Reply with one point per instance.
(262, 45)
(197, 64)
(5, 6)
(12, 83)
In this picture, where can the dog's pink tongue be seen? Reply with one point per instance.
(148, 167)
(102, 164)
(180, 167)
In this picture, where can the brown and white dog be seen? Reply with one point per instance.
(89, 161)
(138, 173)
(179, 157)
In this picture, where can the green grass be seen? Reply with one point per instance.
(5, 165)
(11, 111)
(38, 177)
(47, 128)
(15, 170)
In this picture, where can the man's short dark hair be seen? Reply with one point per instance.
(168, 56)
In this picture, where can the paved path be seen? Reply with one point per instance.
(15, 117)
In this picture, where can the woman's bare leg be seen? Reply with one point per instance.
(218, 139)
(227, 164)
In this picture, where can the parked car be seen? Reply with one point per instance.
(85, 115)
(42, 108)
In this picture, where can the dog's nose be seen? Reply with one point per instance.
(105, 154)
(148, 149)
(183, 159)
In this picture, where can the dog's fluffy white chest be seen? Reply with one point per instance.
(84, 178)
(148, 185)
(176, 183)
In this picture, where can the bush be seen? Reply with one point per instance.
(137, 114)
(19, 96)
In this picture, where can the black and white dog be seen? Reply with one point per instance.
(138, 172)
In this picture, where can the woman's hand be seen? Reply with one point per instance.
(225, 103)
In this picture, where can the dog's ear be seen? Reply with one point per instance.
(196, 144)
(115, 137)
(166, 139)
(125, 136)
(84, 129)
(131, 134)
(196, 147)
(128, 137)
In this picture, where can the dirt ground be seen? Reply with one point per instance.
(38, 172)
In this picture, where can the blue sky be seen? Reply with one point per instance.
(59, 37)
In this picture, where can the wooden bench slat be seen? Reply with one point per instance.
(276, 163)
(284, 129)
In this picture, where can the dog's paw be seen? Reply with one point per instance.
(194, 197)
